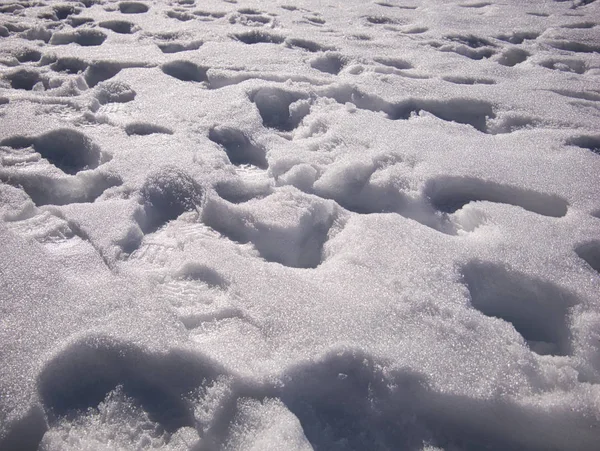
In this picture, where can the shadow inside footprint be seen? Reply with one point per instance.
(330, 63)
(449, 194)
(238, 147)
(274, 106)
(69, 150)
(81, 376)
(118, 26)
(586, 142)
(537, 309)
(590, 252)
(133, 8)
(185, 71)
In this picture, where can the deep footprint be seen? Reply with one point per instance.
(274, 107)
(238, 147)
(449, 194)
(590, 252)
(69, 150)
(537, 309)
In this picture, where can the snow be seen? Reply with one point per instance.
(300, 224)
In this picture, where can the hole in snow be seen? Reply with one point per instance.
(393, 62)
(590, 252)
(67, 149)
(537, 309)
(118, 26)
(460, 80)
(185, 71)
(517, 37)
(258, 37)
(448, 194)
(100, 71)
(305, 44)
(331, 63)
(82, 375)
(238, 147)
(274, 107)
(586, 142)
(28, 55)
(512, 57)
(133, 8)
(176, 47)
(565, 65)
(70, 65)
(86, 37)
(464, 111)
(145, 128)
(24, 79)
(577, 47)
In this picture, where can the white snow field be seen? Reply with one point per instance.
(300, 224)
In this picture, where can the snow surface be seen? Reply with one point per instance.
(300, 224)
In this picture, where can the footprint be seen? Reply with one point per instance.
(463, 80)
(449, 194)
(511, 122)
(185, 71)
(538, 310)
(512, 57)
(114, 92)
(475, 5)
(565, 65)
(580, 25)
(472, 112)
(259, 37)
(176, 47)
(249, 11)
(46, 189)
(592, 96)
(240, 150)
(78, 21)
(330, 63)
(193, 287)
(471, 46)
(396, 63)
(67, 149)
(64, 11)
(586, 142)
(250, 17)
(70, 65)
(306, 44)
(81, 376)
(182, 16)
(118, 26)
(145, 128)
(133, 8)
(517, 37)
(574, 46)
(470, 40)
(26, 79)
(280, 109)
(87, 37)
(253, 183)
(590, 252)
(27, 55)
(381, 20)
(294, 237)
(100, 71)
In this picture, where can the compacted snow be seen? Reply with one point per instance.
(292, 225)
